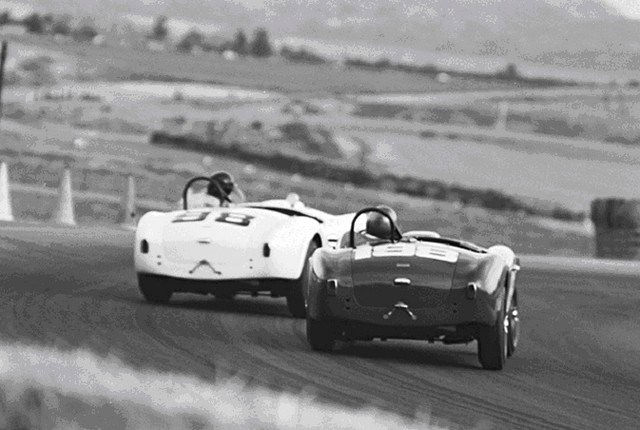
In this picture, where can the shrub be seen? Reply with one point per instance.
(301, 55)
(34, 23)
(85, 33)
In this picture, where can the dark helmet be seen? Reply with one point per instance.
(225, 181)
(378, 225)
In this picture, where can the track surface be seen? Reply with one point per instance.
(578, 366)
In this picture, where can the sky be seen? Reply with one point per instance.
(630, 8)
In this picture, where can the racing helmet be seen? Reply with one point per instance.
(226, 183)
(378, 225)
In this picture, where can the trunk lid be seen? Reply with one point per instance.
(417, 274)
(221, 236)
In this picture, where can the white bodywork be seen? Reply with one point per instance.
(252, 241)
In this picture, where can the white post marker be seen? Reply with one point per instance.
(503, 113)
(6, 211)
(65, 213)
(127, 215)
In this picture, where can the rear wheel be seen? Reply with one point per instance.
(492, 342)
(513, 317)
(153, 289)
(320, 335)
(296, 300)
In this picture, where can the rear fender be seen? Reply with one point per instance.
(504, 252)
(333, 264)
(511, 266)
(327, 264)
(149, 228)
(489, 274)
(149, 224)
(289, 243)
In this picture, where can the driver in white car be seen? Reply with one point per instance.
(222, 193)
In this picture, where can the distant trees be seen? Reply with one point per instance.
(510, 72)
(34, 23)
(58, 25)
(61, 26)
(159, 31)
(5, 17)
(261, 46)
(240, 44)
(47, 22)
(85, 32)
(193, 39)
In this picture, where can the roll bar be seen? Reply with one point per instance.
(393, 231)
(185, 191)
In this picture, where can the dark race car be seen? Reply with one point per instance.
(384, 284)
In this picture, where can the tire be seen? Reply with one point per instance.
(296, 300)
(492, 342)
(320, 335)
(513, 318)
(153, 289)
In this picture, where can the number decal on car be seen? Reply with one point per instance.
(235, 218)
(190, 216)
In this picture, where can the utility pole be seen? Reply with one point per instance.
(3, 57)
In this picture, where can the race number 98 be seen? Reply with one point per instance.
(191, 216)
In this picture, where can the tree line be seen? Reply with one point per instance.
(53, 24)
(259, 45)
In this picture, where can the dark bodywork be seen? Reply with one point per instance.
(429, 288)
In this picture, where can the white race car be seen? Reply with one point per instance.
(251, 248)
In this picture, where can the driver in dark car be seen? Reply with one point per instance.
(378, 228)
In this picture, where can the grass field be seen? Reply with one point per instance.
(604, 113)
(44, 388)
(544, 172)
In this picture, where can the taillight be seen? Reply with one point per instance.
(144, 246)
(332, 287)
(472, 290)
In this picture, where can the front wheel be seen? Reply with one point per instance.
(296, 301)
(492, 342)
(320, 335)
(153, 289)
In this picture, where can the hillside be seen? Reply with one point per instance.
(587, 34)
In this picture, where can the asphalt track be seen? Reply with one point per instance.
(578, 366)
